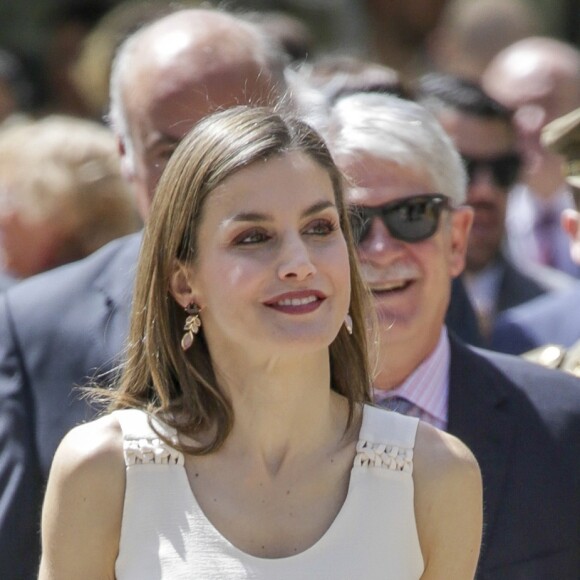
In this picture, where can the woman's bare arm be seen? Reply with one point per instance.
(448, 505)
(82, 512)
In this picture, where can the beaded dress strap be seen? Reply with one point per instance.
(383, 456)
(141, 445)
(386, 441)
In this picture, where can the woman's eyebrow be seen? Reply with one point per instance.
(318, 207)
(263, 217)
(250, 217)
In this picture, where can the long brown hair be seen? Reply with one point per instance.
(180, 387)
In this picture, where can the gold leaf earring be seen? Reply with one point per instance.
(192, 325)
(348, 323)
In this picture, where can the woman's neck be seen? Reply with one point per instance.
(282, 408)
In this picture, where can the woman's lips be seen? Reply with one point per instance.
(301, 302)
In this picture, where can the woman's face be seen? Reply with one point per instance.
(272, 272)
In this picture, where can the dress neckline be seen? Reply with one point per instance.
(370, 453)
(317, 544)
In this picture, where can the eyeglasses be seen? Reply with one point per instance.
(413, 219)
(504, 169)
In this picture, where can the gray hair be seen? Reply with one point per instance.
(268, 53)
(397, 130)
(117, 117)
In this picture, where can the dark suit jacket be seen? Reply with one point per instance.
(55, 330)
(553, 318)
(522, 423)
(461, 317)
(516, 287)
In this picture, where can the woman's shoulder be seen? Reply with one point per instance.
(442, 457)
(448, 503)
(91, 450)
(82, 512)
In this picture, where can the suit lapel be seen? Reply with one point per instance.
(515, 287)
(480, 415)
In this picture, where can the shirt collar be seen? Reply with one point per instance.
(427, 386)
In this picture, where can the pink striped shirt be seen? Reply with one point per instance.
(427, 387)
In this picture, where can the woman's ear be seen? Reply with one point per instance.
(180, 284)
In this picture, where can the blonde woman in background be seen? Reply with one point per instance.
(61, 194)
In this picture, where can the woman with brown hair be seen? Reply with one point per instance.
(240, 443)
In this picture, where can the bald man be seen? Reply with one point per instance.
(539, 79)
(60, 328)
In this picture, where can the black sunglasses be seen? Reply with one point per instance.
(413, 219)
(504, 169)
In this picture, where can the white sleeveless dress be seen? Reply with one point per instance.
(166, 535)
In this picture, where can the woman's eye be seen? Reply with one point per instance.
(321, 228)
(253, 237)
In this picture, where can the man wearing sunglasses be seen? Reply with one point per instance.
(406, 187)
(482, 131)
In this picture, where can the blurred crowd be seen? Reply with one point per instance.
(492, 70)
(501, 77)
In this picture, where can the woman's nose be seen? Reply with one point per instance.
(295, 259)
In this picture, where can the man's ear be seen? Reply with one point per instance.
(181, 285)
(570, 221)
(461, 221)
(127, 170)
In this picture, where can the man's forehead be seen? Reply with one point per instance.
(169, 115)
(176, 101)
(164, 120)
(368, 171)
